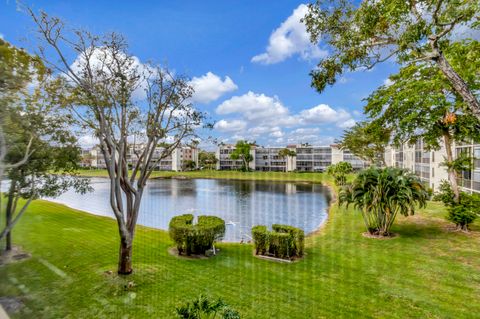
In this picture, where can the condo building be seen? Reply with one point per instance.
(428, 164)
(178, 160)
(308, 158)
(470, 180)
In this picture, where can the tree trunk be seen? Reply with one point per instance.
(452, 174)
(125, 258)
(458, 84)
(9, 216)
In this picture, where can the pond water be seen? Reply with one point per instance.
(242, 204)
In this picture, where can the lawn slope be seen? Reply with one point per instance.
(428, 271)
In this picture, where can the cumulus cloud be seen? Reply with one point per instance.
(99, 58)
(87, 141)
(289, 39)
(323, 113)
(210, 87)
(230, 126)
(387, 82)
(254, 106)
(263, 117)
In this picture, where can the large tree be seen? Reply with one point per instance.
(242, 152)
(420, 103)
(207, 159)
(376, 30)
(17, 69)
(110, 93)
(37, 146)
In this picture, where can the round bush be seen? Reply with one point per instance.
(197, 238)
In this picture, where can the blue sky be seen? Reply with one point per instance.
(248, 60)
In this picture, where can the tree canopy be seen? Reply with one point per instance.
(367, 140)
(39, 150)
(242, 152)
(421, 104)
(377, 30)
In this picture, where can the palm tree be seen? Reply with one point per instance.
(380, 194)
(340, 171)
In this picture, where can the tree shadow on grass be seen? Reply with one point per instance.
(430, 228)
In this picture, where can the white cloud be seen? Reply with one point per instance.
(210, 87)
(230, 126)
(254, 106)
(346, 124)
(262, 117)
(387, 82)
(99, 58)
(323, 113)
(87, 141)
(289, 39)
(1, 36)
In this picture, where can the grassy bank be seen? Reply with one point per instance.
(428, 271)
(270, 176)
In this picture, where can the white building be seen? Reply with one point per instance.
(178, 160)
(470, 180)
(427, 164)
(308, 158)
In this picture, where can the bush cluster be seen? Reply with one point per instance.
(197, 238)
(461, 213)
(283, 241)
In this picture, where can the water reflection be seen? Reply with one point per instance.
(241, 203)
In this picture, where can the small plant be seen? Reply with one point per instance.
(203, 308)
(196, 238)
(339, 172)
(465, 212)
(445, 194)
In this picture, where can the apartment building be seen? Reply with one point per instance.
(308, 158)
(470, 180)
(427, 164)
(178, 160)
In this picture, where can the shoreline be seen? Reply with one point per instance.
(313, 233)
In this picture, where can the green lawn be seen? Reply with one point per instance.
(275, 176)
(428, 271)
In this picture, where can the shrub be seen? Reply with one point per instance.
(297, 234)
(283, 241)
(260, 238)
(465, 212)
(462, 213)
(202, 307)
(195, 238)
(445, 194)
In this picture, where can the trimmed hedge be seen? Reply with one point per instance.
(260, 238)
(283, 241)
(196, 238)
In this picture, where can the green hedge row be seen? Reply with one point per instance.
(196, 238)
(282, 242)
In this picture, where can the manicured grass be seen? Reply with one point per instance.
(428, 271)
(271, 176)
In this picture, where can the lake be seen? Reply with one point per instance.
(242, 204)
